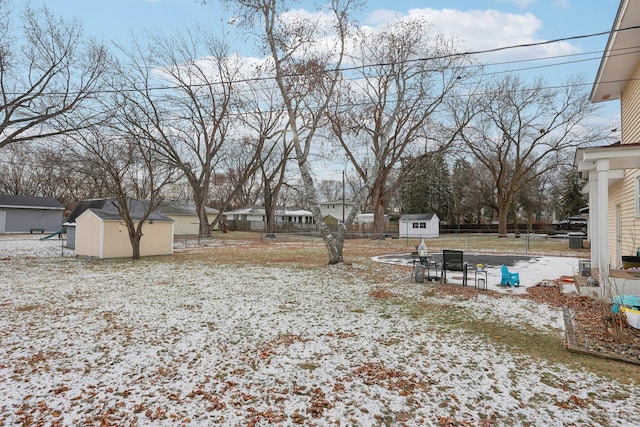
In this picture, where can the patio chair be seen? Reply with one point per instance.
(508, 278)
(453, 261)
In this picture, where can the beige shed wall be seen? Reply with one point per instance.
(157, 239)
(88, 235)
(110, 239)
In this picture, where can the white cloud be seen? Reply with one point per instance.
(479, 30)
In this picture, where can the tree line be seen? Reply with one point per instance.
(179, 115)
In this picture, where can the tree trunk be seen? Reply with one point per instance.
(269, 209)
(379, 202)
(135, 245)
(335, 246)
(503, 210)
(379, 223)
(203, 220)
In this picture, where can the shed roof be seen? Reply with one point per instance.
(30, 202)
(418, 217)
(111, 215)
(107, 210)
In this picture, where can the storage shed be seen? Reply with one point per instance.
(95, 228)
(421, 226)
(25, 214)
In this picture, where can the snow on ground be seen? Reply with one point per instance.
(531, 271)
(167, 340)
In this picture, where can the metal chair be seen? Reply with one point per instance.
(508, 278)
(453, 261)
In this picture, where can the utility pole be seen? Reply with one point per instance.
(343, 199)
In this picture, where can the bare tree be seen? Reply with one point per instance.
(330, 189)
(178, 91)
(18, 170)
(128, 167)
(385, 111)
(306, 55)
(265, 116)
(48, 73)
(520, 131)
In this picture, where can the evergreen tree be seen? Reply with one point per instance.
(427, 187)
(571, 199)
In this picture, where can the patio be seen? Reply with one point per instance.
(533, 269)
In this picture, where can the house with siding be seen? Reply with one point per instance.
(338, 209)
(613, 171)
(27, 214)
(184, 216)
(254, 218)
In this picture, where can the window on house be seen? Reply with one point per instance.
(423, 225)
(415, 225)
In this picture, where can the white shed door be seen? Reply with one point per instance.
(3, 219)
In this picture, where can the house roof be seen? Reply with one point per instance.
(259, 210)
(30, 202)
(180, 207)
(337, 202)
(620, 58)
(418, 217)
(256, 210)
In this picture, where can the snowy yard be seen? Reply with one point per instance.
(175, 340)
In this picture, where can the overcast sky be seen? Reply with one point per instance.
(477, 24)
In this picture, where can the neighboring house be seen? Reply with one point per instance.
(25, 214)
(183, 214)
(422, 226)
(613, 171)
(336, 209)
(254, 218)
(96, 229)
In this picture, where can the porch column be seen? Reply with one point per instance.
(602, 170)
(594, 229)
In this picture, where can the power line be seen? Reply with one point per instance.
(382, 64)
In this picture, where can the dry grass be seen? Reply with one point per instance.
(306, 250)
(309, 252)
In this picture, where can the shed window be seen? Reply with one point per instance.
(423, 225)
(415, 225)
